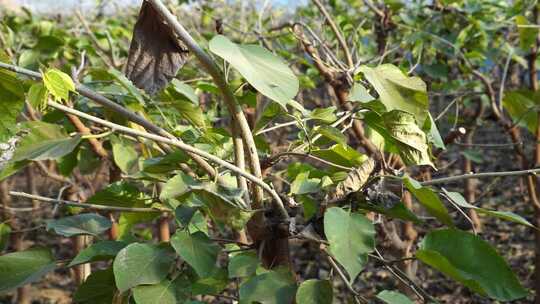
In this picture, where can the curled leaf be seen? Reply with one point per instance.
(354, 181)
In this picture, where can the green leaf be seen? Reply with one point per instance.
(341, 154)
(473, 155)
(263, 70)
(86, 223)
(118, 194)
(411, 140)
(197, 250)
(190, 112)
(315, 292)
(11, 100)
(124, 154)
(433, 135)
(397, 91)
(185, 90)
(127, 84)
(37, 96)
(471, 261)
(164, 164)
(58, 83)
(223, 204)
(243, 264)
(272, 287)
(165, 292)
(5, 232)
(359, 93)
(393, 297)
(302, 184)
(44, 141)
(98, 288)
(24, 267)
(430, 200)
(213, 284)
(100, 251)
(459, 200)
(351, 237)
(527, 35)
(331, 133)
(326, 115)
(523, 106)
(139, 264)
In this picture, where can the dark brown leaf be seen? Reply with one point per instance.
(155, 54)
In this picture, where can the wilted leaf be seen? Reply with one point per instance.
(24, 267)
(353, 183)
(412, 142)
(471, 261)
(86, 223)
(262, 69)
(351, 237)
(155, 54)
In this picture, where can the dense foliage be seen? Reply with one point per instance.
(283, 128)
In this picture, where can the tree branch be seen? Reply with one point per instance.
(480, 175)
(181, 145)
(234, 108)
(337, 32)
(82, 205)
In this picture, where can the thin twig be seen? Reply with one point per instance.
(480, 175)
(83, 205)
(337, 33)
(180, 145)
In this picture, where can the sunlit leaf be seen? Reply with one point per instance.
(262, 69)
(197, 250)
(58, 83)
(315, 292)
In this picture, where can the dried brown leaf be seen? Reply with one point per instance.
(353, 183)
(155, 54)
